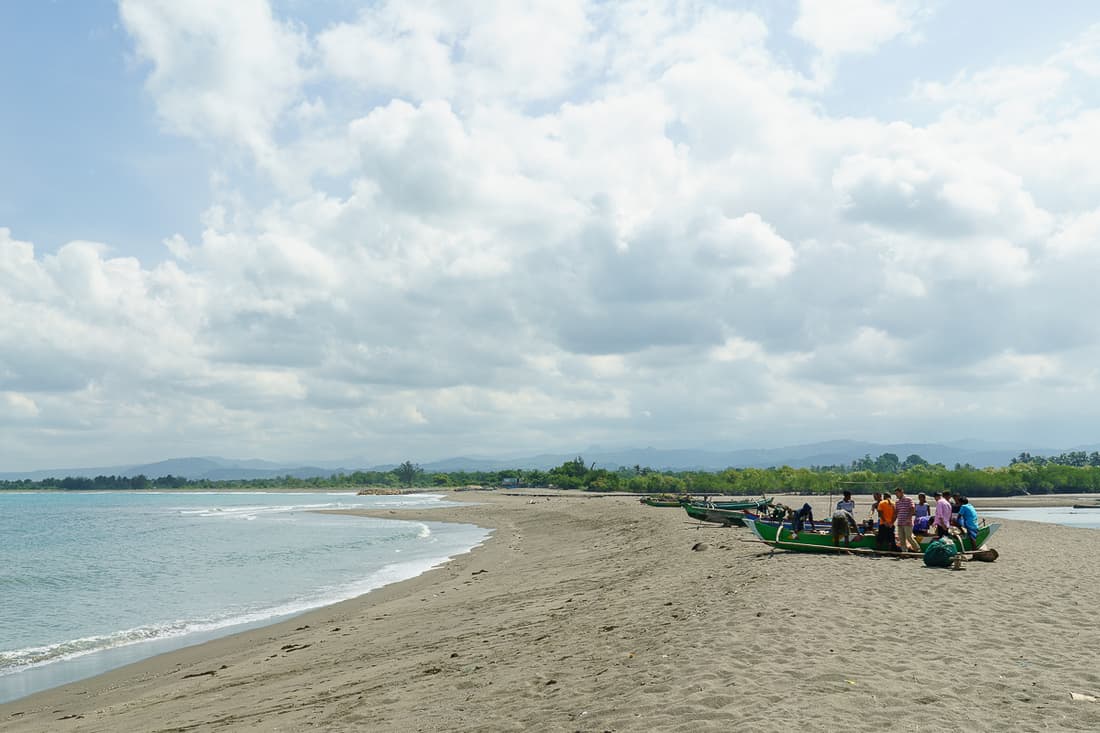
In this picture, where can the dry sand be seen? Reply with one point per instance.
(594, 614)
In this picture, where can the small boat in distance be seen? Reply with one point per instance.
(663, 501)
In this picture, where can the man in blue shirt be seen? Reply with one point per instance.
(968, 519)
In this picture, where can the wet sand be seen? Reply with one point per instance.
(587, 613)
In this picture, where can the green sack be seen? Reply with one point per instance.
(940, 553)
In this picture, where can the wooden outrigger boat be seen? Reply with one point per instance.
(784, 538)
(725, 512)
(749, 505)
(705, 513)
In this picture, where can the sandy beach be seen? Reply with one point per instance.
(587, 613)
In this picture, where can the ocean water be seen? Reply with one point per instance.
(1068, 516)
(93, 580)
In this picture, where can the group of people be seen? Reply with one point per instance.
(899, 520)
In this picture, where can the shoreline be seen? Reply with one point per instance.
(91, 656)
(582, 615)
(133, 656)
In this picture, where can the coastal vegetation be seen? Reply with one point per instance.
(1075, 472)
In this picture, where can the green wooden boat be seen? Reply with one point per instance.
(730, 513)
(784, 538)
(706, 513)
(749, 505)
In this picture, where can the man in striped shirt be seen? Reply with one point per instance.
(903, 521)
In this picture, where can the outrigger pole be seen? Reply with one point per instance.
(979, 554)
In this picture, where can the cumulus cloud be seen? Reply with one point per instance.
(932, 192)
(532, 226)
(853, 26)
(220, 72)
(747, 246)
(523, 51)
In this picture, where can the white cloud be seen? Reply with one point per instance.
(512, 50)
(748, 246)
(1078, 237)
(18, 405)
(396, 48)
(1020, 368)
(853, 26)
(220, 71)
(1082, 53)
(937, 189)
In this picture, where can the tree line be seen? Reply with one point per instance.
(1035, 475)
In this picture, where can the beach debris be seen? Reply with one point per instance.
(210, 672)
(433, 670)
(294, 647)
(1080, 697)
(699, 546)
(608, 628)
(479, 572)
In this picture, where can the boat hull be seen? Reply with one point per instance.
(822, 541)
(732, 517)
(739, 505)
(729, 513)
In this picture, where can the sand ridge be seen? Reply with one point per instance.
(590, 613)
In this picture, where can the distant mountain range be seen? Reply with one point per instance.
(831, 453)
(214, 469)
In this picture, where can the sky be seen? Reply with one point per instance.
(385, 231)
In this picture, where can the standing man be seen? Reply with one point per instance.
(941, 522)
(904, 520)
(875, 499)
(886, 524)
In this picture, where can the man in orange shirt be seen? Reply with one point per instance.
(885, 540)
